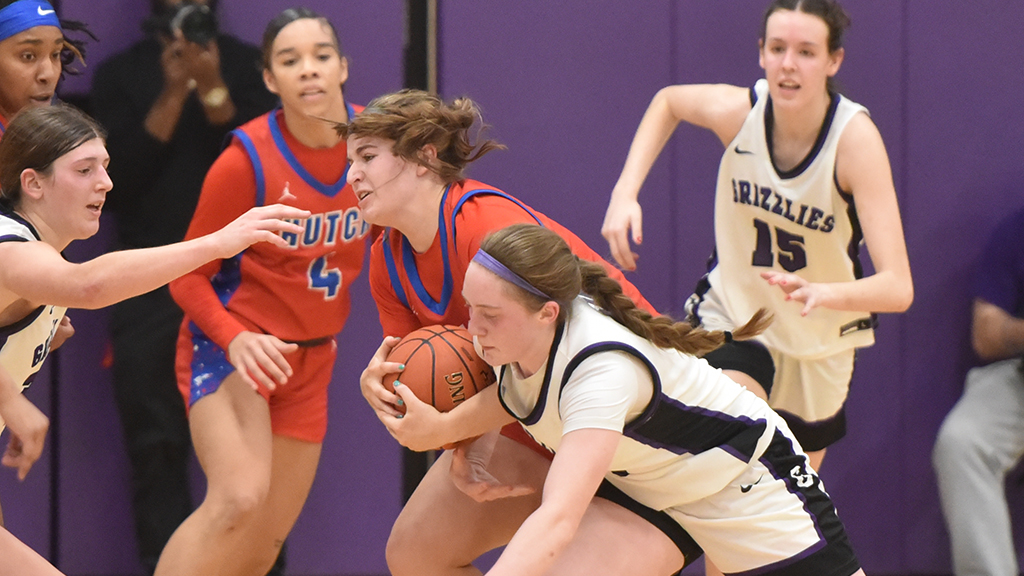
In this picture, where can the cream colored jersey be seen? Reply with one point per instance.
(25, 343)
(688, 431)
(796, 221)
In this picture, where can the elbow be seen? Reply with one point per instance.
(89, 294)
(987, 349)
(905, 297)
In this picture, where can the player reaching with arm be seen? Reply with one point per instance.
(54, 182)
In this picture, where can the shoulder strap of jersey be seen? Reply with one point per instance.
(329, 189)
(257, 167)
(484, 192)
(389, 260)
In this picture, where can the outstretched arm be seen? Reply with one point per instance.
(862, 169)
(720, 108)
(36, 272)
(581, 462)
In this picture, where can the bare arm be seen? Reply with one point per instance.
(579, 466)
(36, 272)
(27, 424)
(995, 334)
(720, 108)
(863, 170)
(424, 428)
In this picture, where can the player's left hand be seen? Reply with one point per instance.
(810, 294)
(64, 331)
(260, 359)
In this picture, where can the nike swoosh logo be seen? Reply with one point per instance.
(42, 12)
(738, 151)
(746, 487)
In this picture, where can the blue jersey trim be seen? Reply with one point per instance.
(481, 192)
(409, 255)
(329, 190)
(257, 166)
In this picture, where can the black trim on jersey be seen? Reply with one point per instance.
(19, 325)
(669, 424)
(818, 435)
(542, 398)
(660, 520)
(747, 356)
(853, 253)
(826, 124)
(8, 213)
(694, 301)
(834, 555)
(598, 347)
(753, 96)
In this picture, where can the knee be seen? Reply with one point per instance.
(236, 507)
(399, 553)
(959, 443)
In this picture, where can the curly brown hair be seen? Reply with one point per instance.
(413, 119)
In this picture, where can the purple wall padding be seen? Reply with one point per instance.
(565, 88)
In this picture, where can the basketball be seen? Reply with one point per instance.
(441, 366)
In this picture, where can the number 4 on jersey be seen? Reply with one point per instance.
(323, 278)
(792, 256)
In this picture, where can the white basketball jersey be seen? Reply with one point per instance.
(797, 221)
(694, 435)
(25, 343)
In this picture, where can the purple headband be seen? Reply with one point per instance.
(24, 14)
(487, 261)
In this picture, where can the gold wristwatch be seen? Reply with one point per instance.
(216, 97)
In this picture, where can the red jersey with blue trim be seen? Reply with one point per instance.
(296, 293)
(414, 290)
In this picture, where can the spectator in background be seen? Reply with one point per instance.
(168, 102)
(982, 437)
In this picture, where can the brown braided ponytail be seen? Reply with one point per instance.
(542, 258)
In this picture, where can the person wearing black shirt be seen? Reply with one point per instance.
(168, 104)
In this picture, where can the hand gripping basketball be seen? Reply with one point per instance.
(441, 366)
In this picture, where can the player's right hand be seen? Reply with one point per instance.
(259, 359)
(28, 428)
(261, 224)
(383, 401)
(622, 217)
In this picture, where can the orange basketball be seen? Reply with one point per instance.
(441, 366)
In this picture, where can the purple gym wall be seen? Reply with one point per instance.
(564, 86)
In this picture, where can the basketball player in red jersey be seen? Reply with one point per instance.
(266, 320)
(407, 153)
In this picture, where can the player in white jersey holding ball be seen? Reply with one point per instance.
(804, 179)
(622, 400)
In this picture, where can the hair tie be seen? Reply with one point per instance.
(728, 336)
(489, 262)
(19, 16)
